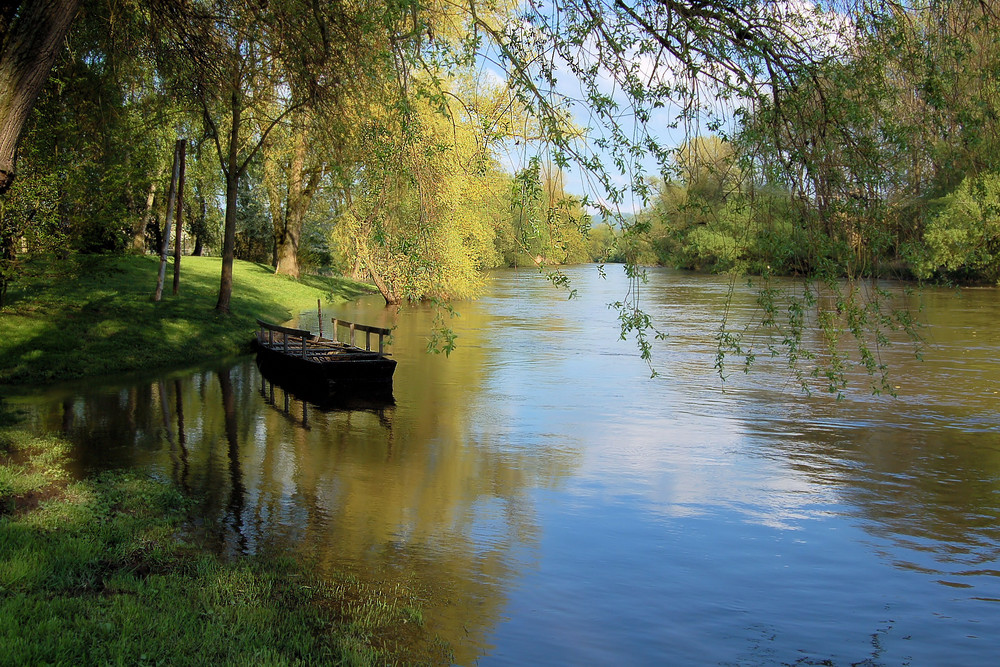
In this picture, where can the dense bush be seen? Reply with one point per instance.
(962, 239)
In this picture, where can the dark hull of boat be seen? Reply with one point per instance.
(348, 375)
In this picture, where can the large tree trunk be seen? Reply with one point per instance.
(297, 205)
(288, 252)
(287, 240)
(29, 44)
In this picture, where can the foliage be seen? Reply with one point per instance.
(962, 240)
(421, 213)
(28, 220)
(94, 131)
(603, 244)
(254, 230)
(829, 141)
(547, 225)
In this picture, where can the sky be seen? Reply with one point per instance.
(663, 123)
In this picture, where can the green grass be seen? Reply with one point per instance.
(94, 315)
(93, 572)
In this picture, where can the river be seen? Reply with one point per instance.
(554, 504)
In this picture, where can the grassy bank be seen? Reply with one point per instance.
(93, 572)
(94, 315)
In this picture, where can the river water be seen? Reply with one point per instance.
(551, 503)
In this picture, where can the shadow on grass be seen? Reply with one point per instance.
(91, 316)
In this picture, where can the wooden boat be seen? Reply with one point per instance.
(299, 358)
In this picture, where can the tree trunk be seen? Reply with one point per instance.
(180, 218)
(8, 254)
(296, 207)
(288, 253)
(233, 173)
(198, 230)
(139, 229)
(275, 203)
(171, 201)
(29, 48)
(287, 246)
(228, 243)
(391, 298)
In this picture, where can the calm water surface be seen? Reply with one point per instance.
(552, 504)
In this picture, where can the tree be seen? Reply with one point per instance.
(227, 64)
(86, 152)
(31, 35)
(422, 205)
(709, 169)
(248, 67)
(294, 169)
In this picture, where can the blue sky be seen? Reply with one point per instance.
(663, 123)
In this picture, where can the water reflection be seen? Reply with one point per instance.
(555, 504)
(410, 494)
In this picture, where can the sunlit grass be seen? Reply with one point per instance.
(93, 572)
(94, 315)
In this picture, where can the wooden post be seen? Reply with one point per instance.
(319, 316)
(180, 208)
(171, 201)
(380, 343)
(336, 324)
(368, 340)
(352, 333)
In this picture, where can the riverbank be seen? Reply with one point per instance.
(95, 572)
(98, 570)
(94, 315)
